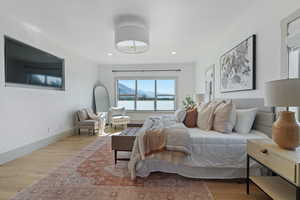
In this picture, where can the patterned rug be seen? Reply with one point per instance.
(92, 175)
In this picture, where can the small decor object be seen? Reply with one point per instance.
(237, 67)
(210, 83)
(188, 103)
(284, 93)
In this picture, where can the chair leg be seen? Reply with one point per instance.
(78, 131)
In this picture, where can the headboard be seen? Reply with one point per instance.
(264, 117)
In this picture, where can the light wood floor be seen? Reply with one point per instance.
(22, 172)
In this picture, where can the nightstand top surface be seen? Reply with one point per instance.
(271, 146)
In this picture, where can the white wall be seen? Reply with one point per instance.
(29, 115)
(263, 19)
(185, 81)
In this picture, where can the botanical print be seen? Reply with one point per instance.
(237, 70)
(210, 83)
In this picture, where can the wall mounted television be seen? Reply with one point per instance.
(27, 66)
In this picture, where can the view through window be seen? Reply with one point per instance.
(147, 95)
(294, 68)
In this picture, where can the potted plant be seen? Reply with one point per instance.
(188, 103)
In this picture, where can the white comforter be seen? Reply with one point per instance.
(214, 155)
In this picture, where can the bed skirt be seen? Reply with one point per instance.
(144, 168)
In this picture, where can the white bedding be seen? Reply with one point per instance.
(214, 155)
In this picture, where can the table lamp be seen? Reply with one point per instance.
(199, 98)
(284, 93)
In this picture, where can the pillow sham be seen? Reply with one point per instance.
(180, 115)
(225, 117)
(244, 120)
(190, 120)
(206, 115)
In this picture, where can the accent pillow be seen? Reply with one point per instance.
(82, 115)
(244, 120)
(190, 120)
(117, 111)
(225, 117)
(206, 115)
(180, 115)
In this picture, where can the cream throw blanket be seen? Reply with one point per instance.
(160, 138)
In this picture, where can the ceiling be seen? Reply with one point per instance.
(189, 27)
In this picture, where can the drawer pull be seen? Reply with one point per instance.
(264, 151)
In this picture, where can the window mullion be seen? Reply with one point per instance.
(136, 95)
(155, 98)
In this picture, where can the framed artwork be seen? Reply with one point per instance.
(210, 83)
(237, 67)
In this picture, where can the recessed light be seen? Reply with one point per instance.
(109, 54)
(173, 52)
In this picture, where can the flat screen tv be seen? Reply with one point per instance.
(29, 66)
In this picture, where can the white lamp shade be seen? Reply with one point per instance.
(132, 39)
(199, 98)
(282, 93)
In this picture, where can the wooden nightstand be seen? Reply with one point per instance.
(286, 164)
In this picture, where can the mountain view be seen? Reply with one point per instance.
(123, 89)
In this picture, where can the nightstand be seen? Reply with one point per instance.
(284, 163)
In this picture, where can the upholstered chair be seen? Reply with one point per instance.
(118, 117)
(86, 119)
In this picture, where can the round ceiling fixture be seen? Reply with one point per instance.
(131, 35)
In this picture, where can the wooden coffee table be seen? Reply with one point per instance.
(123, 142)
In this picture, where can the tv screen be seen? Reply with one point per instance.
(27, 65)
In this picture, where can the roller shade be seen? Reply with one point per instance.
(293, 38)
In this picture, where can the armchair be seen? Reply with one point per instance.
(118, 117)
(86, 119)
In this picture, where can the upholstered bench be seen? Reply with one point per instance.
(123, 142)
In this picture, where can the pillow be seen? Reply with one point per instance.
(117, 111)
(206, 115)
(244, 120)
(82, 115)
(225, 117)
(180, 114)
(190, 120)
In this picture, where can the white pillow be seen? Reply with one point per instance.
(180, 115)
(244, 120)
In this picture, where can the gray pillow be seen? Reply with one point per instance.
(180, 115)
(82, 115)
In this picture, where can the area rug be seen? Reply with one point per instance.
(92, 175)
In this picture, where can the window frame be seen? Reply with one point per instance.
(117, 95)
(285, 50)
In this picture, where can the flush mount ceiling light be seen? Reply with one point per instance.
(131, 35)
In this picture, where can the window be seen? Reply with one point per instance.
(147, 94)
(294, 67)
(294, 58)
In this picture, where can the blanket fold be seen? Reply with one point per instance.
(160, 137)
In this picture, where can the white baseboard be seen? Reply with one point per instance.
(27, 149)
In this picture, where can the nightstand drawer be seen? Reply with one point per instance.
(268, 157)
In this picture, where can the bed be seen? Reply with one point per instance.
(216, 155)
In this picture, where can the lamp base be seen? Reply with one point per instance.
(285, 131)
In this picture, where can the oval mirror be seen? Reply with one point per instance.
(101, 99)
